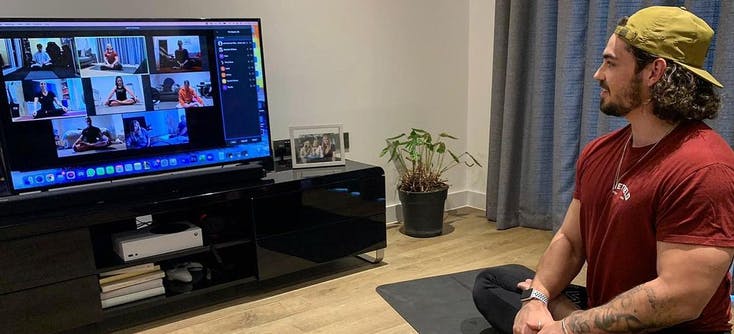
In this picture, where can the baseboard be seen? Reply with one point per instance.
(476, 200)
(455, 200)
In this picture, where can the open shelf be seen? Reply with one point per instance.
(114, 262)
(111, 261)
(201, 290)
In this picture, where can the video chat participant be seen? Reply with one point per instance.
(123, 95)
(111, 59)
(48, 101)
(41, 59)
(91, 138)
(188, 98)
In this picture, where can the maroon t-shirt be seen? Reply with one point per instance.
(110, 56)
(681, 192)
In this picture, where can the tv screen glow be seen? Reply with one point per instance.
(95, 100)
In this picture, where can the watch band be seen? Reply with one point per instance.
(534, 294)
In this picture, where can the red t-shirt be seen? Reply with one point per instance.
(110, 56)
(681, 192)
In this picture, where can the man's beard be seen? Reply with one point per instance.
(630, 94)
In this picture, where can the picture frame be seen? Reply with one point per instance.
(329, 148)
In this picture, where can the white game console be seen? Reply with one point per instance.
(156, 240)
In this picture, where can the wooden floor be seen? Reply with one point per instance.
(341, 297)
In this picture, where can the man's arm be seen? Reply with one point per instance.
(564, 257)
(56, 100)
(181, 96)
(688, 275)
(102, 140)
(197, 97)
(560, 263)
(78, 140)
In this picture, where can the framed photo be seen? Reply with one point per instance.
(317, 145)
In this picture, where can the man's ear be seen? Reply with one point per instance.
(656, 70)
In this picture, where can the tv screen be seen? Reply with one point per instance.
(96, 100)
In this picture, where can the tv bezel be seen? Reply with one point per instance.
(265, 163)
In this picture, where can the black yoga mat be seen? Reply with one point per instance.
(440, 304)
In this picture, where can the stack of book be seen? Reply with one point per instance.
(130, 284)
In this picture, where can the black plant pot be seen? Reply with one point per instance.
(423, 212)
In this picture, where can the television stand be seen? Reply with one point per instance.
(253, 231)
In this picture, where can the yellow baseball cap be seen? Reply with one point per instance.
(672, 33)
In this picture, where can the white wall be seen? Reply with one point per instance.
(378, 67)
(481, 38)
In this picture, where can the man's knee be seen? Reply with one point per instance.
(504, 276)
(497, 296)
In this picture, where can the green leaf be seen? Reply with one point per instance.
(420, 161)
(446, 135)
(441, 147)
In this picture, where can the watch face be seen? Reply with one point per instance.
(526, 294)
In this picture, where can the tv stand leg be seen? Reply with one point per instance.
(379, 255)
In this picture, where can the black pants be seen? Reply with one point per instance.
(115, 67)
(497, 296)
(498, 299)
(40, 113)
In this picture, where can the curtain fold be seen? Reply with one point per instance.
(545, 102)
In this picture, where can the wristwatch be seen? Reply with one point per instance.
(529, 294)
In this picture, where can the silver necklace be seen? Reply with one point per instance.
(617, 176)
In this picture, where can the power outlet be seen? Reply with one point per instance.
(282, 154)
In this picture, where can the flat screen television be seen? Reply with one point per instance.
(96, 100)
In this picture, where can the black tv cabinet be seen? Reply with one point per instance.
(254, 230)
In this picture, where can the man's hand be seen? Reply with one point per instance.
(533, 316)
(525, 285)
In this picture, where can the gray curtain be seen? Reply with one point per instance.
(545, 102)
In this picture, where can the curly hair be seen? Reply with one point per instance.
(679, 94)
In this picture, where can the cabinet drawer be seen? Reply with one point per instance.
(52, 308)
(45, 259)
(290, 252)
(314, 208)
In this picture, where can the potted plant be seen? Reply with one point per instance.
(421, 163)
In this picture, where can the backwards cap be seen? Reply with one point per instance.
(672, 33)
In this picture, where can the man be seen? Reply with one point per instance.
(91, 138)
(181, 56)
(48, 101)
(653, 210)
(111, 59)
(41, 59)
(183, 128)
(54, 52)
(188, 98)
